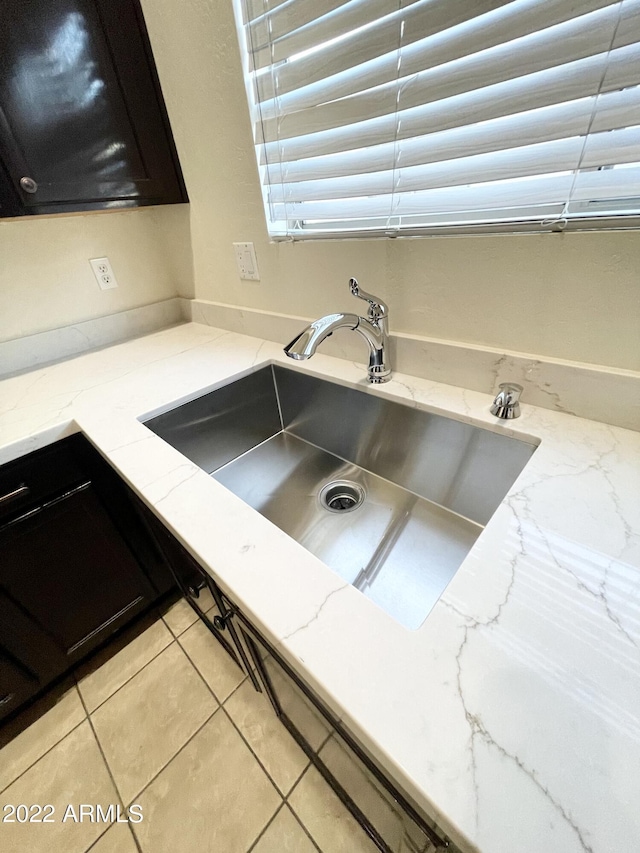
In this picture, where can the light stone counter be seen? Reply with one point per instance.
(512, 715)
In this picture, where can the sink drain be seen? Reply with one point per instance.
(341, 496)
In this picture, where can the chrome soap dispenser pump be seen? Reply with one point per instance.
(507, 402)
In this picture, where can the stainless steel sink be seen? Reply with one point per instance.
(389, 497)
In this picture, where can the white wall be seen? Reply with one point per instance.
(46, 280)
(567, 296)
(573, 296)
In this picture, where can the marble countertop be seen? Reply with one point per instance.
(512, 715)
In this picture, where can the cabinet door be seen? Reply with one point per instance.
(82, 123)
(29, 659)
(66, 566)
(121, 505)
(9, 202)
(385, 815)
(16, 684)
(191, 579)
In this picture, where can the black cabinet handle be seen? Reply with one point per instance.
(20, 492)
(6, 699)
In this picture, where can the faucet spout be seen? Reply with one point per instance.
(373, 330)
(305, 344)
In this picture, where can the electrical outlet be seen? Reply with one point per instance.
(104, 274)
(246, 261)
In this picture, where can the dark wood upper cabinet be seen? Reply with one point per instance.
(82, 120)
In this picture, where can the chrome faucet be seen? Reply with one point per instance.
(507, 402)
(374, 328)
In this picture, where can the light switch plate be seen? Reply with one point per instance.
(246, 261)
(104, 274)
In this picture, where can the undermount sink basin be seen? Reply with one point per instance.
(389, 497)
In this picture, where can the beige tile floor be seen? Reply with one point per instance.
(164, 719)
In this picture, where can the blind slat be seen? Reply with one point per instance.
(515, 20)
(556, 85)
(559, 155)
(392, 116)
(329, 18)
(542, 125)
(422, 18)
(496, 220)
(607, 184)
(629, 27)
(523, 58)
(545, 189)
(255, 8)
(284, 19)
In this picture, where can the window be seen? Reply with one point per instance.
(401, 117)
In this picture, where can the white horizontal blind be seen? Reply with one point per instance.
(419, 116)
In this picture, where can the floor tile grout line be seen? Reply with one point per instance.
(76, 686)
(305, 768)
(325, 741)
(297, 782)
(124, 683)
(309, 765)
(106, 763)
(245, 741)
(187, 741)
(102, 835)
(266, 826)
(88, 717)
(298, 819)
(295, 813)
(282, 807)
(197, 619)
(204, 723)
(284, 797)
(248, 745)
(221, 706)
(173, 757)
(207, 685)
(184, 631)
(135, 839)
(298, 778)
(46, 752)
(235, 690)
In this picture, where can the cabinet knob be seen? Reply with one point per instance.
(28, 185)
(220, 622)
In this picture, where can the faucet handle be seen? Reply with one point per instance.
(377, 308)
(507, 402)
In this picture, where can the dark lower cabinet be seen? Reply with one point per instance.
(18, 684)
(76, 564)
(68, 567)
(9, 201)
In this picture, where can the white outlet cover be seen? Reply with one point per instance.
(104, 274)
(246, 261)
